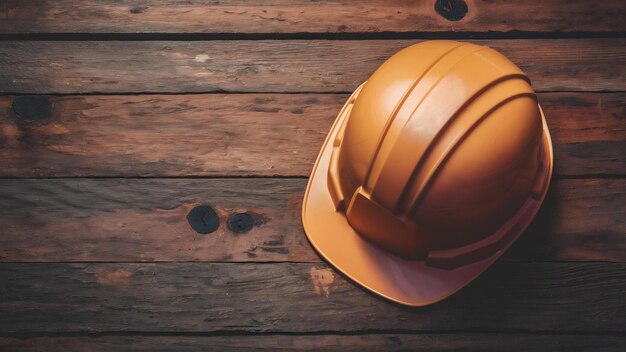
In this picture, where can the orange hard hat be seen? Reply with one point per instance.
(434, 166)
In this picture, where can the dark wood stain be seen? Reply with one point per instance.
(138, 9)
(279, 250)
(240, 222)
(297, 111)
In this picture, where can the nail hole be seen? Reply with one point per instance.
(452, 10)
(203, 219)
(240, 222)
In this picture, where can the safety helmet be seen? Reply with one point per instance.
(433, 168)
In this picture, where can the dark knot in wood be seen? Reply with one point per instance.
(32, 108)
(203, 219)
(240, 222)
(452, 10)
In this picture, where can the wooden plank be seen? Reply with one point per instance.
(176, 135)
(357, 343)
(597, 117)
(114, 220)
(275, 65)
(300, 297)
(244, 134)
(300, 16)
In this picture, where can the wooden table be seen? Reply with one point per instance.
(118, 118)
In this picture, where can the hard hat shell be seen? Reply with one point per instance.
(434, 166)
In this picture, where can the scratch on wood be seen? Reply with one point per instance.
(322, 279)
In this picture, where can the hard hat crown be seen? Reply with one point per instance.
(438, 153)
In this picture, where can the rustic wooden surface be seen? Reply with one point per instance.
(118, 118)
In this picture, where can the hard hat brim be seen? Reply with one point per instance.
(406, 282)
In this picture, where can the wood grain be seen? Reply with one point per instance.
(244, 134)
(521, 342)
(299, 297)
(45, 67)
(300, 16)
(112, 220)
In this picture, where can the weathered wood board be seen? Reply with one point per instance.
(44, 67)
(300, 297)
(245, 134)
(518, 342)
(130, 220)
(301, 16)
